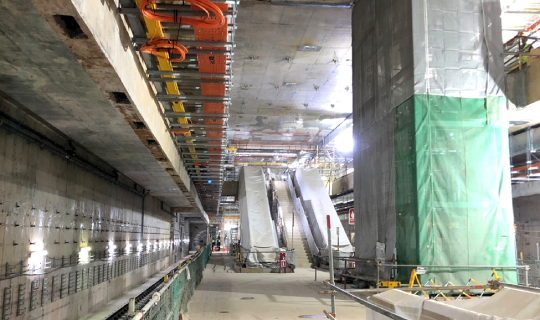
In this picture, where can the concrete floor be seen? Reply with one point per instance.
(226, 295)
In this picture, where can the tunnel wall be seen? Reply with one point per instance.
(47, 200)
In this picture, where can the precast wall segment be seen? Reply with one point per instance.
(431, 157)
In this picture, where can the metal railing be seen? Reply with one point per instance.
(523, 271)
(303, 220)
(531, 276)
(148, 302)
(277, 214)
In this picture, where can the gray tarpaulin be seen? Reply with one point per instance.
(509, 304)
(431, 160)
(257, 229)
(317, 205)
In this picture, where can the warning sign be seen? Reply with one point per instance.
(351, 216)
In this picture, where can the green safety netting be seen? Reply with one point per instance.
(174, 300)
(452, 188)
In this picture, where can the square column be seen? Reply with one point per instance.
(432, 180)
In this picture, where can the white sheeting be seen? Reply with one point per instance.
(312, 189)
(257, 230)
(509, 304)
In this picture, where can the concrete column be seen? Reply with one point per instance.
(431, 158)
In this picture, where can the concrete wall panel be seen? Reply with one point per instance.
(48, 203)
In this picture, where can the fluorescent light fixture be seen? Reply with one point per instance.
(36, 259)
(289, 84)
(112, 249)
(38, 254)
(37, 246)
(84, 255)
(310, 48)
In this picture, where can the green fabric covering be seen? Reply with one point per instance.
(174, 301)
(452, 188)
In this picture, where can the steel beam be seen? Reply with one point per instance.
(214, 161)
(194, 43)
(199, 51)
(175, 97)
(172, 12)
(192, 73)
(170, 114)
(191, 125)
(203, 153)
(183, 139)
(191, 81)
(202, 145)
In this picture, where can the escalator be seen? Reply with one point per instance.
(313, 204)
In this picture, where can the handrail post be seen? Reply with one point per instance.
(331, 264)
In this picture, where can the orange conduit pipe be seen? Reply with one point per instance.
(155, 47)
(204, 22)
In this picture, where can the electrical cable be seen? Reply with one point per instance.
(202, 22)
(158, 46)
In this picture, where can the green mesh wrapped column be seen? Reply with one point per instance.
(431, 156)
(452, 189)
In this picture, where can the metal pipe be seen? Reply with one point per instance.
(513, 286)
(202, 145)
(420, 266)
(170, 114)
(430, 288)
(328, 315)
(191, 81)
(189, 125)
(173, 97)
(191, 43)
(183, 139)
(203, 153)
(155, 72)
(180, 12)
(368, 304)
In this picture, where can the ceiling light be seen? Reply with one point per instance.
(290, 84)
(310, 48)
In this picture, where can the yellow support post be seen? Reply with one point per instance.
(433, 283)
(413, 277)
(468, 296)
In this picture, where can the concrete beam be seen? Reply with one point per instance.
(110, 60)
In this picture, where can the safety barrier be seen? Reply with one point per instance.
(168, 298)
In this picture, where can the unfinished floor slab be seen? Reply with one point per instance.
(226, 295)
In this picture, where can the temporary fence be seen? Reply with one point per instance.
(169, 297)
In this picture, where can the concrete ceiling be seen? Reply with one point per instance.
(283, 97)
(38, 72)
